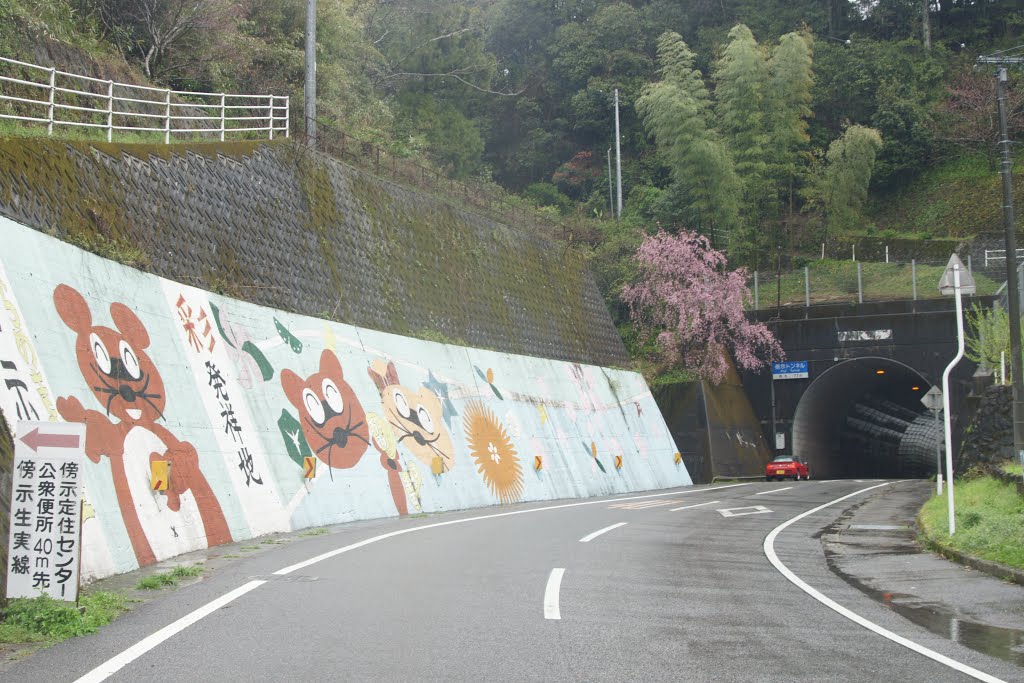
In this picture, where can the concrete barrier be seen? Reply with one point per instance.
(273, 421)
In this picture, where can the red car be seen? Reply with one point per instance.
(785, 466)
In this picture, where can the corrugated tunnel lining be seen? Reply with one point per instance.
(829, 407)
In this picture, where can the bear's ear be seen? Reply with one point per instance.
(129, 325)
(293, 386)
(392, 373)
(72, 308)
(377, 379)
(330, 365)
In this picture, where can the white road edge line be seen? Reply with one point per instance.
(769, 551)
(687, 507)
(551, 591)
(114, 664)
(590, 537)
(773, 491)
(121, 660)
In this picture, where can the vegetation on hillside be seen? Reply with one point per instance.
(771, 127)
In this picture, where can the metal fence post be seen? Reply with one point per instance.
(860, 283)
(53, 91)
(167, 119)
(854, 247)
(913, 276)
(287, 116)
(756, 293)
(110, 111)
(969, 268)
(887, 253)
(271, 112)
(223, 115)
(807, 287)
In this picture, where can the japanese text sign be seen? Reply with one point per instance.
(46, 510)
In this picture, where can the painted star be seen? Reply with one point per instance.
(441, 390)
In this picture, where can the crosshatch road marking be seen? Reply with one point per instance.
(749, 510)
(642, 505)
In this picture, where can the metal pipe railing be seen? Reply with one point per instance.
(126, 107)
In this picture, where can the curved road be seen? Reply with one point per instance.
(672, 588)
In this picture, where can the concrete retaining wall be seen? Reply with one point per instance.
(235, 396)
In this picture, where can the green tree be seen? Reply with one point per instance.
(741, 78)
(789, 108)
(676, 111)
(843, 185)
(988, 337)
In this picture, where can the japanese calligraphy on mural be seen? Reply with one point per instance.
(43, 548)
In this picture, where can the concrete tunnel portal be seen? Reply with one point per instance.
(863, 418)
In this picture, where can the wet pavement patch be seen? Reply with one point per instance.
(873, 540)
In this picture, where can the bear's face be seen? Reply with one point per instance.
(417, 417)
(118, 372)
(333, 421)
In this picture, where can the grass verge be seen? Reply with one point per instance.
(989, 521)
(45, 620)
(171, 578)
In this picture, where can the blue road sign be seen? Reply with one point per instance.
(791, 369)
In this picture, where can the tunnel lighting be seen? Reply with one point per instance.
(915, 388)
(879, 372)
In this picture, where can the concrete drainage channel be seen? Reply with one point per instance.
(873, 547)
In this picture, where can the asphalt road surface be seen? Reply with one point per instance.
(671, 585)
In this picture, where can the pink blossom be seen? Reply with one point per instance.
(688, 296)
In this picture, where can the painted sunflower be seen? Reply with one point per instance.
(492, 449)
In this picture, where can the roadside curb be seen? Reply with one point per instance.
(1000, 571)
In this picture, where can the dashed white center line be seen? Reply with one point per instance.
(551, 610)
(773, 491)
(590, 537)
(687, 507)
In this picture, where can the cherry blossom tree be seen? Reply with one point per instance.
(687, 295)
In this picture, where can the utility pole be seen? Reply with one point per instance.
(1012, 285)
(611, 193)
(309, 99)
(618, 155)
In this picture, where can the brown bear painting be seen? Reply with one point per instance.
(333, 421)
(130, 391)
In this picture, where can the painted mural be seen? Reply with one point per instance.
(268, 421)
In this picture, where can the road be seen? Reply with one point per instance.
(672, 585)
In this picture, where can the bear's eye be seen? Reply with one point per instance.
(425, 421)
(99, 352)
(130, 361)
(314, 407)
(401, 405)
(333, 396)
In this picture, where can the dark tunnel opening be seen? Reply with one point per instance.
(863, 418)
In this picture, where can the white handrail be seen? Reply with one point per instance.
(179, 111)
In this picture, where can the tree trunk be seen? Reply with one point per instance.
(926, 27)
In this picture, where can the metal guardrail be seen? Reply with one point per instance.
(48, 96)
(999, 255)
(75, 101)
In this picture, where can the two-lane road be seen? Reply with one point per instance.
(671, 585)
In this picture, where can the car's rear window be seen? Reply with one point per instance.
(783, 458)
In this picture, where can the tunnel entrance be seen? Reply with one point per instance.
(863, 418)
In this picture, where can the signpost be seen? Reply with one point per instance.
(46, 510)
(793, 369)
(933, 402)
(956, 281)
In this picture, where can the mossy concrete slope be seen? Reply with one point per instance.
(280, 226)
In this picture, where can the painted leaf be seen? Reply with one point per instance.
(294, 440)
